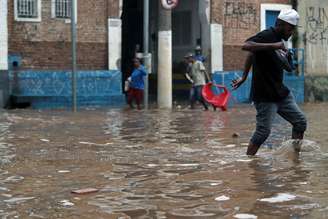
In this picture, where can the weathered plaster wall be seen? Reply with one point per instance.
(313, 37)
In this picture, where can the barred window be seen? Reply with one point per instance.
(27, 8)
(62, 8)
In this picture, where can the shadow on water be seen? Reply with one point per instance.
(157, 164)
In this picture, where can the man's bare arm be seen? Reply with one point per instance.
(189, 78)
(248, 64)
(254, 47)
(247, 67)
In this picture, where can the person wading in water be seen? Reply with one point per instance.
(269, 94)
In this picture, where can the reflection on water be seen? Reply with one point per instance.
(159, 164)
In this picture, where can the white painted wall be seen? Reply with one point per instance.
(114, 43)
(3, 35)
(164, 97)
(216, 47)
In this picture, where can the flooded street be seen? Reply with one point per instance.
(159, 164)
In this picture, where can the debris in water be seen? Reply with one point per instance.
(44, 140)
(236, 135)
(222, 198)
(63, 171)
(215, 184)
(66, 203)
(245, 216)
(85, 191)
(281, 197)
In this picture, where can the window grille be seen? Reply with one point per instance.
(27, 8)
(63, 8)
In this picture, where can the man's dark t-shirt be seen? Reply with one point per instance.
(267, 81)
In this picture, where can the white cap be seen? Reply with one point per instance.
(290, 16)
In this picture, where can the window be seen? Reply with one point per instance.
(27, 10)
(62, 8)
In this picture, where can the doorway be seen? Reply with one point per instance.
(186, 35)
(132, 33)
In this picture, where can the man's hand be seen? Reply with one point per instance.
(237, 82)
(280, 45)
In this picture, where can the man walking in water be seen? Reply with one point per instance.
(197, 75)
(269, 94)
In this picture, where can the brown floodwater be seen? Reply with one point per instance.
(159, 164)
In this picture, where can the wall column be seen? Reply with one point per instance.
(164, 97)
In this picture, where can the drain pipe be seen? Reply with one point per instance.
(74, 68)
(146, 50)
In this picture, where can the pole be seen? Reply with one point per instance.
(74, 68)
(146, 49)
(164, 80)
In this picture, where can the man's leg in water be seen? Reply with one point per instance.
(199, 96)
(289, 110)
(192, 97)
(265, 115)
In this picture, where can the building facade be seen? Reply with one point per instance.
(39, 52)
(313, 37)
(109, 31)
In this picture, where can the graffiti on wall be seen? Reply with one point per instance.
(93, 83)
(239, 14)
(317, 25)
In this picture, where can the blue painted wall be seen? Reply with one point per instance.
(241, 95)
(52, 89)
(48, 89)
